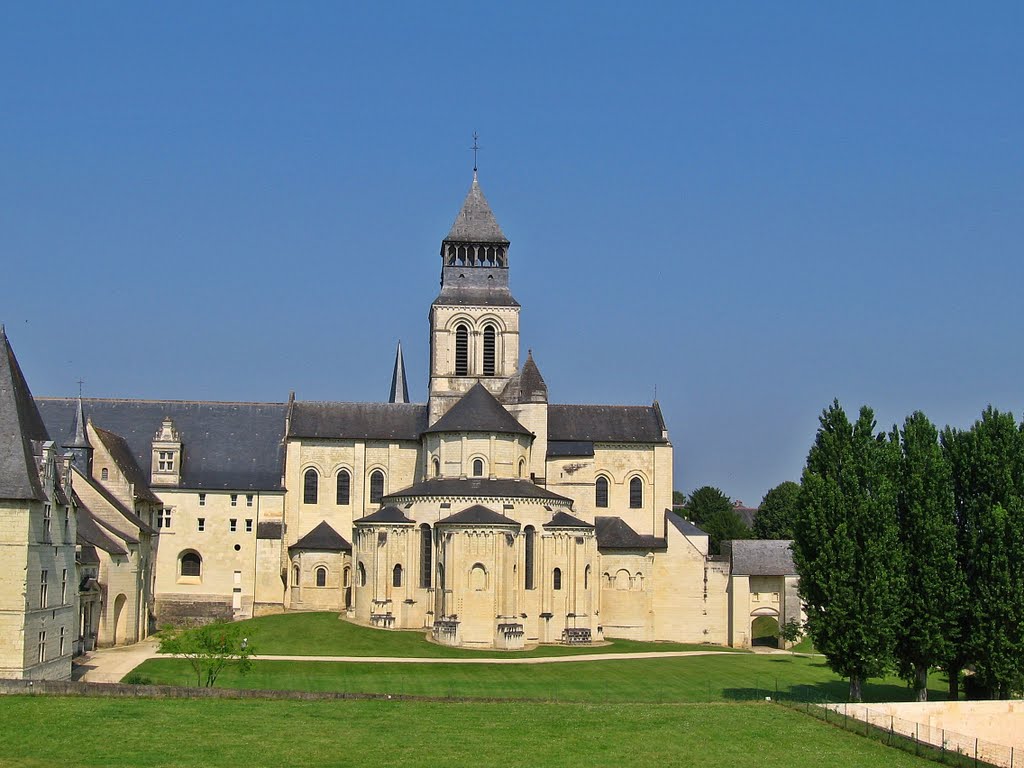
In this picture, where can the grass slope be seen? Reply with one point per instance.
(733, 677)
(275, 733)
(324, 634)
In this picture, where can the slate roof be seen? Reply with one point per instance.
(527, 385)
(388, 514)
(474, 287)
(615, 533)
(559, 448)
(90, 532)
(475, 223)
(746, 514)
(125, 461)
(128, 514)
(762, 557)
(565, 520)
(478, 514)
(226, 446)
(87, 553)
(683, 525)
(358, 421)
(478, 411)
(478, 487)
(606, 423)
(399, 386)
(20, 425)
(77, 438)
(323, 538)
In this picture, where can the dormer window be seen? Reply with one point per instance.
(165, 461)
(166, 455)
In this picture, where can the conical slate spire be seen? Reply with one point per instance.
(399, 386)
(21, 430)
(475, 222)
(77, 434)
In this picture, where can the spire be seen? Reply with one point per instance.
(78, 444)
(399, 386)
(475, 222)
(22, 432)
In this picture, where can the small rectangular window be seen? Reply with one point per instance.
(164, 518)
(63, 589)
(62, 641)
(165, 461)
(42, 647)
(248, 526)
(202, 499)
(201, 523)
(46, 521)
(43, 588)
(234, 499)
(248, 499)
(234, 524)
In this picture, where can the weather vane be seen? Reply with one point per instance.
(476, 148)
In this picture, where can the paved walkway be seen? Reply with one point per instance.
(109, 665)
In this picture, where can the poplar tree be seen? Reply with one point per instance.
(846, 546)
(933, 581)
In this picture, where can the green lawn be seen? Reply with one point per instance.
(176, 732)
(324, 634)
(732, 677)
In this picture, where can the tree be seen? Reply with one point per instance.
(933, 580)
(209, 649)
(987, 464)
(709, 508)
(678, 497)
(846, 546)
(774, 518)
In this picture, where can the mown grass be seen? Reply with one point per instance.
(174, 732)
(732, 677)
(324, 634)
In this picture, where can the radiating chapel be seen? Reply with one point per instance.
(488, 516)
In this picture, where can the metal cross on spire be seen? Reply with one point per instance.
(475, 148)
(80, 383)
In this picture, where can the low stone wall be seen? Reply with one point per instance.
(178, 610)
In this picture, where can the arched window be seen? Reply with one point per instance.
(346, 577)
(104, 474)
(586, 577)
(376, 486)
(462, 351)
(556, 578)
(601, 492)
(489, 339)
(426, 556)
(638, 582)
(622, 580)
(478, 467)
(295, 575)
(522, 467)
(436, 465)
(361, 575)
(530, 534)
(344, 487)
(396, 576)
(440, 575)
(191, 564)
(321, 577)
(636, 493)
(478, 578)
(310, 483)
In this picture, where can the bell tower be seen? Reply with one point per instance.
(474, 321)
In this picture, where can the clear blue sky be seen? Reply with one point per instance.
(754, 207)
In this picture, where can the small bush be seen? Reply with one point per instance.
(134, 678)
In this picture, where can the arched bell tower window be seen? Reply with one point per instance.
(636, 493)
(462, 351)
(310, 481)
(489, 350)
(601, 492)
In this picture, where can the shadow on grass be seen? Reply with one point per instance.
(830, 691)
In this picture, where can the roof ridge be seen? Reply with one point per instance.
(54, 399)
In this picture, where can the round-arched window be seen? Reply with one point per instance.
(191, 564)
(321, 576)
(478, 467)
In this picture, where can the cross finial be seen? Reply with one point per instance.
(476, 148)
(80, 383)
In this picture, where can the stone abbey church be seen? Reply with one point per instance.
(487, 517)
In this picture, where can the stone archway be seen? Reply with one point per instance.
(120, 619)
(764, 628)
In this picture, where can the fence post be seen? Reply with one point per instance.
(917, 737)
(975, 753)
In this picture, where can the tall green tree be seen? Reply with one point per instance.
(713, 511)
(933, 583)
(774, 518)
(987, 464)
(846, 546)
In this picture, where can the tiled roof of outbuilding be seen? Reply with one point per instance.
(615, 533)
(20, 425)
(478, 411)
(478, 514)
(605, 424)
(236, 446)
(761, 557)
(358, 421)
(389, 514)
(478, 487)
(683, 525)
(323, 538)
